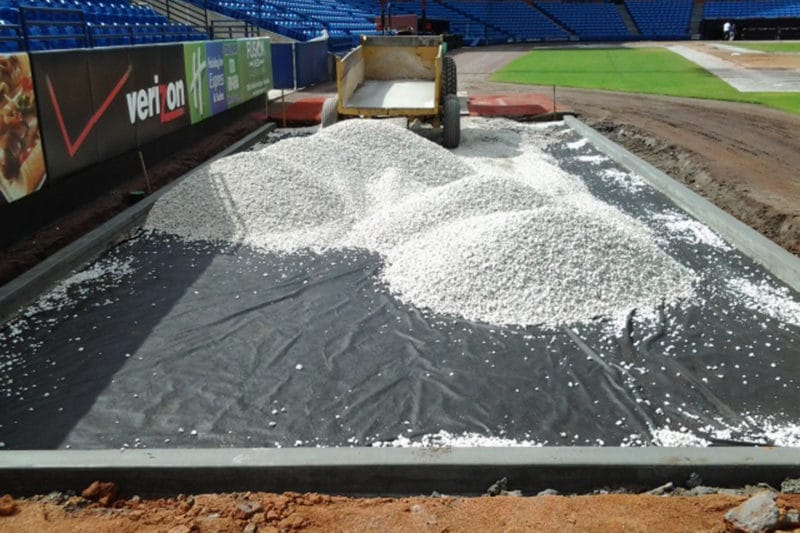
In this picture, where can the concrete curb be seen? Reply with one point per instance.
(30, 285)
(775, 259)
(391, 471)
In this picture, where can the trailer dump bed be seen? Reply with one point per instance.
(391, 76)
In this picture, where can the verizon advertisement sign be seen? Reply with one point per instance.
(98, 103)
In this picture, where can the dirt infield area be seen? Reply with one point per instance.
(742, 157)
(292, 512)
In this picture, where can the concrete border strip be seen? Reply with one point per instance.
(31, 284)
(775, 259)
(391, 471)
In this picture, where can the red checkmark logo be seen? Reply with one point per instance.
(74, 146)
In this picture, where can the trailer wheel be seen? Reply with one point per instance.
(330, 112)
(452, 122)
(449, 77)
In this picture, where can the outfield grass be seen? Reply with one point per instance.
(770, 47)
(636, 70)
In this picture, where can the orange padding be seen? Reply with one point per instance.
(305, 111)
(511, 105)
(309, 110)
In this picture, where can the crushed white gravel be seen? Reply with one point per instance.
(494, 231)
(455, 440)
(690, 230)
(775, 302)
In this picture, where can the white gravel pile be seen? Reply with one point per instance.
(403, 219)
(542, 266)
(304, 192)
(254, 198)
(493, 231)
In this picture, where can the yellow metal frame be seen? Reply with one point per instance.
(369, 61)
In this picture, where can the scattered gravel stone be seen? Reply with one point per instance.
(702, 490)
(548, 492)
(694, 480)
(757, 514)
(497, 487)
(7, 505)
(791, 519)
(247, 509)
(791, 486)
(103, 493)
(663, 489)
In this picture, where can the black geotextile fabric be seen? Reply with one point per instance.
(204, 346)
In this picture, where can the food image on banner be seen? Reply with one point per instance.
(22, 168)
(255, 65)
(215, 66)
(233, 88)
(196, 66)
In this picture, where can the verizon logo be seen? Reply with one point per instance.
(165, 100)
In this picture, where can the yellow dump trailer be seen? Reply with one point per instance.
(398, 76)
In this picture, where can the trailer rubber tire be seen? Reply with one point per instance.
(449, 77)
(452, 122)
(330, 112)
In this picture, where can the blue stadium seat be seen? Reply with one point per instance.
(749, 9)
(595, 21)
(661, 19)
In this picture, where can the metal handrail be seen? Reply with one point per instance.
(242, 27)
(181, 13)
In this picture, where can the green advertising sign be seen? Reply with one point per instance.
(223, 74)
(233, 86)
(255, 62)
(195, 65)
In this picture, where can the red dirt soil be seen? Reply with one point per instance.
(291, 512)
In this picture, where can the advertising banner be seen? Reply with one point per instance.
(67, 115)
(255, 62)
(222, 74)
(215, 62)
(155, 98)
(196, 75)
(233, 87)
(22, 168)
(96, 104)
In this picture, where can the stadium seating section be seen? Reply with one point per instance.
(750, 9)
(59, 24)
(661, 19)
(53, 24)
(590, 21)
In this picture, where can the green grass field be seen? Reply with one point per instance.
(770, 47)
(636, 70)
